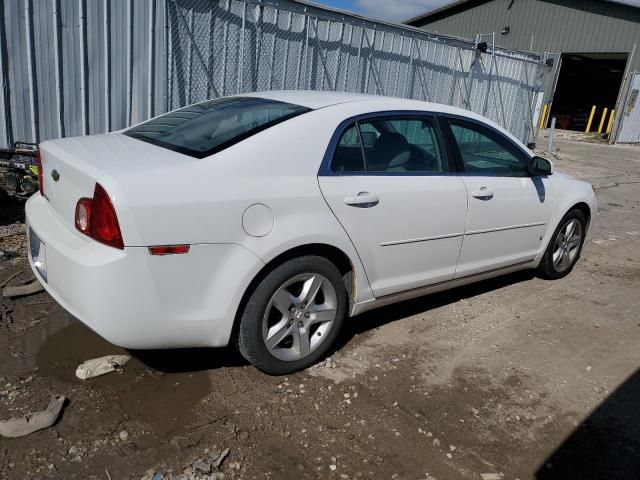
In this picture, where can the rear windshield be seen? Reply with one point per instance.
(206, 128)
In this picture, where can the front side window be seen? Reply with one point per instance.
(485, 152)
(391, 145)
(205, 128)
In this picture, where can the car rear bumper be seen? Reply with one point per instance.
(134, 299)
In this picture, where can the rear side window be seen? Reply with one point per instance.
(391, 145)
(206, 128)
(348, 155)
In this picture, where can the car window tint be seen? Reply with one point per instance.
(348, 155)
(404, 145)
(369, 134)
(205, 128)
(486, 153)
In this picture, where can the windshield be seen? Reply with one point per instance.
(206, 128)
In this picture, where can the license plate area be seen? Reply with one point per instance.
(38, 253)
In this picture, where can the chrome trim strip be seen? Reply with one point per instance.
(452, 235)
(424, 239)
(500, 229)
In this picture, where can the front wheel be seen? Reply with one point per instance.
(293, 316)
(565, 246)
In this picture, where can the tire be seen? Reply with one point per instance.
(285, 326)
(562, 253)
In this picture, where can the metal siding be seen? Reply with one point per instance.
(66, 60)
(569, 26)
(629, 131)
(73, 67)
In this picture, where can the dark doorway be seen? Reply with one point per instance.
(586, 79)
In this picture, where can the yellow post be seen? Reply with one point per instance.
(543, 117)
(604, 117)
(593, 112)
(610, 125)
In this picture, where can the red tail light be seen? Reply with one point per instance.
(97, 218)
(40, 172)
(169, 249)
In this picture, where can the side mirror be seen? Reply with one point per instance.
(540, 167)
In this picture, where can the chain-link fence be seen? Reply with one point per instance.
(225, 47)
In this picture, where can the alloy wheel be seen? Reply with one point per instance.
(299, 316)
(567, 245)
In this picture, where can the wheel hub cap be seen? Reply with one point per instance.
(567, 245)
(299, 316)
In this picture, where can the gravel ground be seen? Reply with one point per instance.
(513, 378)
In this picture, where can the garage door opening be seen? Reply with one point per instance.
(585, 80)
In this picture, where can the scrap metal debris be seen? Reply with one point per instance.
(32, 422)
(100, 366)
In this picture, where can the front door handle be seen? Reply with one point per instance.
(483, 194)
(362, 200)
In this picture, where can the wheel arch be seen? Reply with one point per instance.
(585, 209)
(332, 253)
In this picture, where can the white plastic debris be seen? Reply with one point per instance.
(99, 366)
(32, 422)
(22, 290)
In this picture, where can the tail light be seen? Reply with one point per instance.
(40, 172)
(97, 218)
(169, 249)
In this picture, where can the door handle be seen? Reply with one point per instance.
(483, 194)
(362, 200)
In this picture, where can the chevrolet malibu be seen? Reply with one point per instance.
(265, 219)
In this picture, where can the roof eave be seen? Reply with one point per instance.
(458, 3)
(435, 11)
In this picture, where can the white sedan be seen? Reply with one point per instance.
(265, 219)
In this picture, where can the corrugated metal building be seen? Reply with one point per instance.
(79, 67)
(75, 67)
(597, 42)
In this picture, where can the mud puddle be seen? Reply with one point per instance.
(162, 400)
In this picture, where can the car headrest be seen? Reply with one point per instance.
(389, 147)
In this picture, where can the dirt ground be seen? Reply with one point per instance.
(516, 377)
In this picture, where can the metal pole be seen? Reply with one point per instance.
(286, 52)
(129, 61)
(58, 66)
(241, 57)
(307, 28)
(551, 133)
(31, 69)
(107, 64)
(223, 91)
(165, 12)
(151, 60)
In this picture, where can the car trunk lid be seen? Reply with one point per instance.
(73, 166)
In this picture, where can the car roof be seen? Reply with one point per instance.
(311, 98)
(316, 99)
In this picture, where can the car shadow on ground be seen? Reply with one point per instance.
(606, 445)
(190, 359)
(391, 313)
(198, 359)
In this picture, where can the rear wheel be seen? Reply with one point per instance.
(293, 316)
(565, 246)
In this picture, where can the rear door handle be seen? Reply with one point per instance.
(362, 200)
(483, 194)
